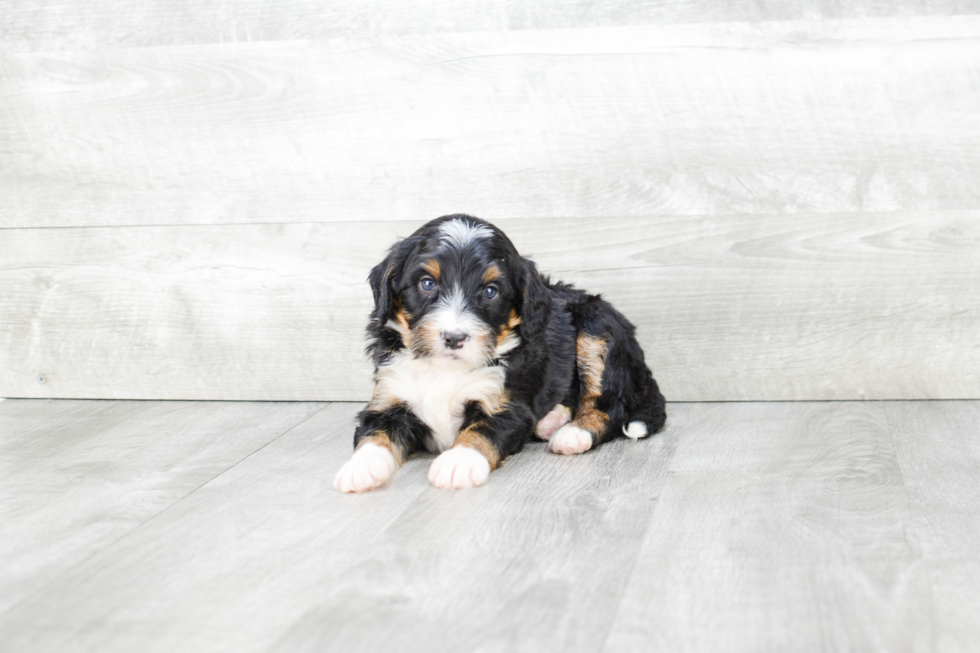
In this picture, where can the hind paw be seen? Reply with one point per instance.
(571, 439)
(558, 417)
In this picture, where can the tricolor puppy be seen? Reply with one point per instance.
(474, 351)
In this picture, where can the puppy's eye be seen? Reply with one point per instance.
(427, 284)
(490, 292)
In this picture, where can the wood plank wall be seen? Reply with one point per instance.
(784, 196)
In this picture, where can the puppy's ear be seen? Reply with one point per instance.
(381, 278)
(385, 275)
(535, 309)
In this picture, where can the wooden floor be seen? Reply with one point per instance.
(192, 526)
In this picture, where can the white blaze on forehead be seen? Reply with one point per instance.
(459, 232)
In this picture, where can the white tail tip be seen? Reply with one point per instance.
(635, 430)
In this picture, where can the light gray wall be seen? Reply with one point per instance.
(783, 196)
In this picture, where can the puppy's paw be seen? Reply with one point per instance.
(369, 467)
(458, 468)
(571, 439)
(558, 417)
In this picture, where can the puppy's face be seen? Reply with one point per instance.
(454, 292)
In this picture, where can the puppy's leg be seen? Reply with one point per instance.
(590, 423)
(372, 464)
(483, 442)
(382, 441)
(618, 392)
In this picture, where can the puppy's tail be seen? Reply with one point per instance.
(649, 417)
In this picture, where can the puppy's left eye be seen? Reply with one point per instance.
(427, 284)
(490, 292)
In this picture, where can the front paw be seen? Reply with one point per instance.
(458, 468)
(369, 467)
(571, 439)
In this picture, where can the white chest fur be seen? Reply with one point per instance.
(437, 392)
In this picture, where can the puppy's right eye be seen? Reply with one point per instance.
(427, 284)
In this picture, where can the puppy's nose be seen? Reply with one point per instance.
(454, 340)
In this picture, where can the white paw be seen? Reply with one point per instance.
(635, 430)
(369, 467)
(571, 439)
(458, 468)
(558, 417)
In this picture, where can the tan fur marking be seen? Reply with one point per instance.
(381, 439)
(591, 360)
(402, 318)
(492, 274)
(432, 267)
(591, 419)
(470, 438)
(505, 329)
(381, 400)
(495, 403)
(425, 339)
(482, 341)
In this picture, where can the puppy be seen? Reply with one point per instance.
(474, 351)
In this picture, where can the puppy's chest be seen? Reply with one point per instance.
(438, 394)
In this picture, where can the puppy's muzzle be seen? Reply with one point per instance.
(454, 339)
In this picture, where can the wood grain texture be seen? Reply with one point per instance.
(77, 476)
(86, 24)
(942, 478)
(280, 561)
(464, 572)
(826, 307)
(742, 527)
(777, 118)
(782, 196)
(789, 534)
(239, 312)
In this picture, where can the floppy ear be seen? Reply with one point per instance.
(535, 307)
(381, 278)
(384, 276)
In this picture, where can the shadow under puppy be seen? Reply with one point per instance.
(474, 351)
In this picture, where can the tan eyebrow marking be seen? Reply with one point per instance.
(492, 274)
(432, 267)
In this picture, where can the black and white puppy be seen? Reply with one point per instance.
(474, 351)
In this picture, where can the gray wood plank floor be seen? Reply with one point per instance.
(196, 526)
